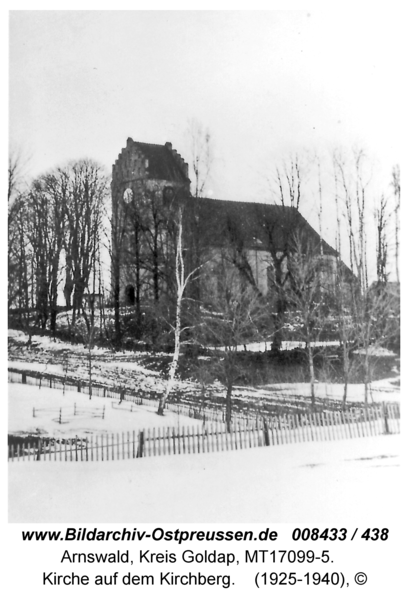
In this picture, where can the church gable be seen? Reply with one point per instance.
(139, 160)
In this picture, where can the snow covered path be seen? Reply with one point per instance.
(348, 480)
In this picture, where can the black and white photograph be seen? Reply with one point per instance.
(204, 265)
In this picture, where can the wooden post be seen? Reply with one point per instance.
(160, 438)
(326, 429)
(338, 425)
(378, 420)
(169, 440)
(385, 419)
(143, 450)
(240, 436)
(351, 423)
(210, 435)
(369, 420)
(333, 427)
(316, 430)
(299, 427)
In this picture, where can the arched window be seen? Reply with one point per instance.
(130, 294)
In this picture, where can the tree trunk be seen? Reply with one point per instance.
(229, 404)
(366, 374)
(175, 359)
(311, 372)
(181, 284)
(345, 366)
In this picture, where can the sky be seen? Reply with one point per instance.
(265, 84)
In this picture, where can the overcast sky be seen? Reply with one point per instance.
(264, 83)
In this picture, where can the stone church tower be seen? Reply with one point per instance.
(146, 180)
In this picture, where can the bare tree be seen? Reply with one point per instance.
(396, 192)
(232, 317)
(201, 156)
(287, 188)
(19, 252)
(307, 297)
(87, 191)
(20, 259)
(182, 280)
(381, 221)
(370, 305)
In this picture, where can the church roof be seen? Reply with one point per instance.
(257, 225)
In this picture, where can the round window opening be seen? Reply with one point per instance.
(128, 195)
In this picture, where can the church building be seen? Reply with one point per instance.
(149, 181)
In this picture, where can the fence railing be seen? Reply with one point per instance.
(213, 436)
(194, 412)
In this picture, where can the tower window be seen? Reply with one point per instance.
(128, 195)
(130, 294)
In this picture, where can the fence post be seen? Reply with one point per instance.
(141, 449)
(385, 418)
(266, 436)
(39, 449)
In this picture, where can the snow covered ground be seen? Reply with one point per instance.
(380, 391)
(334, 482)
(47, 402)
(125, 368)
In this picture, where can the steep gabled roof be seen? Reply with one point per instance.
(255, 224)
